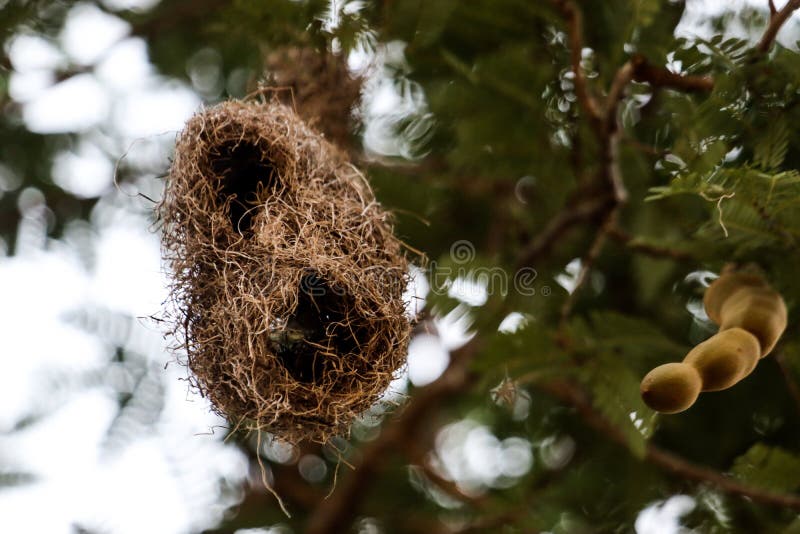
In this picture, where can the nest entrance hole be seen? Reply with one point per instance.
(318, 334)
(245, 174)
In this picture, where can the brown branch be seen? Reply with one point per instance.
(668, 461)
(611, 175)
(587, 262)
(776, 21)
(644, 148)
(621, 80)
(416, 455)
(621, 236)
(644, 71)
(574, 19)
(560, 224)
(335, 514)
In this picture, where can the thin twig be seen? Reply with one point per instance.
(587, 262)
(642, 147)
(610, 174)
(574, 19)
(337, 512)
(666, 460)
(417, 456)
(560, 224)
(620, 235)
(776, 21)
(644, 71)
(621, 80)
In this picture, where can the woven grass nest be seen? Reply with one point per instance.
(320, 86)
(288, 280)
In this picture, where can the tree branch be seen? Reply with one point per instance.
(334, 514)
(776, 21)
(574, 19)
(608, 137)
(621, 80)
(560, 224)
(644, 71)
(587, 262)
(656, 251)
(668, 461)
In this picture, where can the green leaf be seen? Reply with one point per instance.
(433, 20)
(632, 338)
(646, 12)
(770, 150)
(772, 468)
(615, 393)
(527, 352)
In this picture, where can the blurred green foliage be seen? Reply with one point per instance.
(501, 147)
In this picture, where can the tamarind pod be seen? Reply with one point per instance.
(671, 388)
(759, 310)
(725, 358)
(723, 287)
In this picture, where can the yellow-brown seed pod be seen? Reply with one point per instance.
(723, 287)
(671, 388)
(725, 358)
(759, 310)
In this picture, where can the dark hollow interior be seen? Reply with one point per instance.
(243, 172)
(321, 315)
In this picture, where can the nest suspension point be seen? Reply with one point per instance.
(287, 279)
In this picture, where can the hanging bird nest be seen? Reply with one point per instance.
(287, 279)
(319, 86)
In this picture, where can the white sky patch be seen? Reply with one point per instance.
(388, 101)
(133, 5)
(30, 84)
(37, 290)
(205, 71)
(695, 21)
(176, 470)
(469, 290)
(454, 328)
(469, 454)
(665, 517)
(74, 431)
(32, 52)
(416, 291)
(427, 359)
(125, 66)
(569, 278)
(155, 111)
(138, 293)
(89, 32)
(86, 173)
(556, 451)
(512, 322)
(73, 105)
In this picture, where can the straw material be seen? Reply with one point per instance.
(287, 279)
